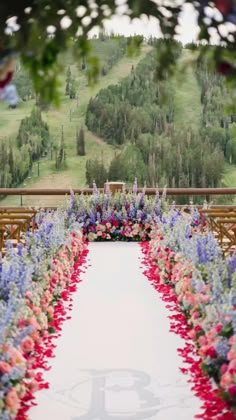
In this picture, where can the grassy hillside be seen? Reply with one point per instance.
(188, 110)
(70, 115)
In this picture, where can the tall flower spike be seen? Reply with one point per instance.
(107, 188)
(95, 190)
(135, 186)
(164, 192)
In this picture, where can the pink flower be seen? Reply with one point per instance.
(37, 310)
(36, 337)
(232, 389)
(178, 257)
(226, 380)
(33, 323)
(205, 298)
(27, 345)
(4, 367)
(195, 315)
(203, 350)
(16, 357)
(12, 400)
(169, 266)
(192, 334)
(231, 340)
(227, 319)
(21, 323)
(232, 364)
(231, 354)
(34, 386)
(50, 311)
(223, 368)
(29, 294)
(202, 340)
(218, 328)
(30, 373)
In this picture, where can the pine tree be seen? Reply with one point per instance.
(72, 89)
(68, 81)
(96, 172)
(61, 154)
(83, 64)
(11, 162)
(80, 142)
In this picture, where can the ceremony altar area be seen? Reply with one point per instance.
(118, 306)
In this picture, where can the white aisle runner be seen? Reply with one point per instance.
(116, 359)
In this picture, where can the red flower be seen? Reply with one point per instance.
(197, 328)
(211, 352)
(232, 389)
(7, 80)
(224, 68)
(224, 6)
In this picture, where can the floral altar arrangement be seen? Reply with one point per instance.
(122, 216)
(187, 268)
(36, 281)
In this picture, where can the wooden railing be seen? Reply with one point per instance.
(221, 219)
(149, 191)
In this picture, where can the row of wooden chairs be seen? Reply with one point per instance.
(222, 222)
(14, 222)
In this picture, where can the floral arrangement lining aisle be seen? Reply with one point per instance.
(36, 283)
(186, 267)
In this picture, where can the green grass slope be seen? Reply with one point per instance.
(70, 115)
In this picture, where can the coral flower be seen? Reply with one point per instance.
(226, 380)
(27, 345)
(4, 367)
(12, 400)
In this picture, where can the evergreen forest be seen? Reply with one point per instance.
(175, 132)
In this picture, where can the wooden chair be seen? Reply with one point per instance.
(223, 225)
(14, 222)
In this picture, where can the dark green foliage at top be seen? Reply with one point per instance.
(23, 84)
(40, 52)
